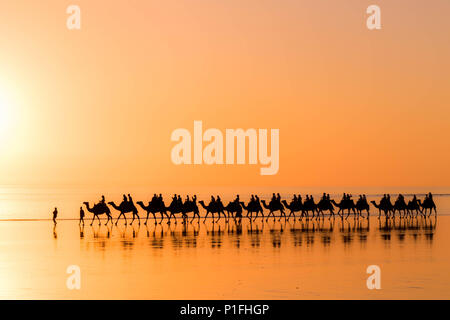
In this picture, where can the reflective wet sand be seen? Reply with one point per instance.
(259, 260)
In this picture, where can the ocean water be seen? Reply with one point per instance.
(273, 259)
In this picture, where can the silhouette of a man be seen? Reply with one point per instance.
(81, 215)
(55, 215)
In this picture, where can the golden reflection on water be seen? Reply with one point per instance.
(306, 259)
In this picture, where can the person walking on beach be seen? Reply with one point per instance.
(81, 216)
(55, 215)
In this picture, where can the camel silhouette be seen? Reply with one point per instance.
(400, 206)
(125, 207)
(345, 205)
(183, 208)
(414, 207)
(252, 207)
(272, 207)
(362, 205)
(234, 209)
(213, 208)
(309, 205)
(294, 206)
(97, 210)
(325, 205)
(428, 204)
(386, 208)
(154, 208)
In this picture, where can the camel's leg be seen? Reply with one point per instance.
(93, 219)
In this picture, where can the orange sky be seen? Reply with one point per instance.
(97, 106)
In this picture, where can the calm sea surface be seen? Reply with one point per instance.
(261, 260)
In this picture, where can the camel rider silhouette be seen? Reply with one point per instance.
(219, 201)
(213, 201)
(236, 201)
(125, 198)
(383, 200)
(130, 199)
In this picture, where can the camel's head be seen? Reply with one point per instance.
(86, 203)
(139, 202)
(111, 203)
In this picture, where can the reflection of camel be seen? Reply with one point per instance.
(97, 210)
(252, 207)
(152, 208)
(213, 208)
(125, 207)
(272, 207)
(428, 203)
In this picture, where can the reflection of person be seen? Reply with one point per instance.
(81, 215)
(55, 215)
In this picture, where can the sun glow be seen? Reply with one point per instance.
(7, 114)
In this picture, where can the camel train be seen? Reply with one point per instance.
(305, 208)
